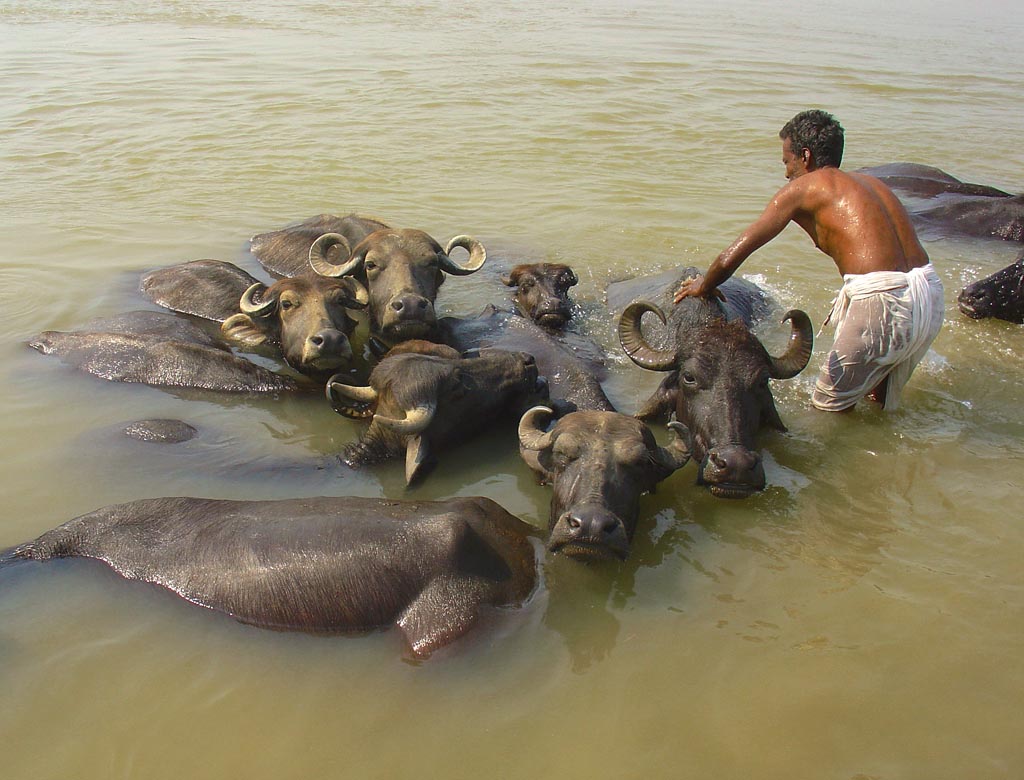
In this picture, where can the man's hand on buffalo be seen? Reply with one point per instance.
(694, 287)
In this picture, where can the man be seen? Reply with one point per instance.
(890, 307)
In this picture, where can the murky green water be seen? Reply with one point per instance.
(860, 619)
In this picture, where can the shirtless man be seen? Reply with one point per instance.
(890, 307)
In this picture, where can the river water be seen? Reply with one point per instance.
(862, 618)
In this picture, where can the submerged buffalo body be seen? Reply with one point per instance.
(209, 289)
(718, 383)
(417, 403)
(598, 464)
(924, 181)
(1000, 295)
(322, 565)
(158, 349)
(285, 252)
(572, 364)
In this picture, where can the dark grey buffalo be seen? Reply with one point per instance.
(158, 349)
(285, 252)
(573, 365)
(402, 271)
(598, 464)
(541, 292)
(925, 181)
(304, 319)
(717, 383)
(423, 396)
(320, 565)
(958, 208)
(1000, 295)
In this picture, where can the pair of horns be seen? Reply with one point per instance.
(254, 304)
(319, 262)
(415, 422)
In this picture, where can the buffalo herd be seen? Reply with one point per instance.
(350, 314)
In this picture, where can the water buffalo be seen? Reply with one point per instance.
(924, 181)
(572, 364)
(598, 463)
(319, 565)
(402, 271)
(423, 396)
(285, 252)
(963, 209)
(718, 383)
(1000, 295)
(158, 349)
(304, 319)
(542, 292)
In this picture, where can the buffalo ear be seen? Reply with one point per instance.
(241, 329)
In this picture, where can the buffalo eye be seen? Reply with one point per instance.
(286, 303)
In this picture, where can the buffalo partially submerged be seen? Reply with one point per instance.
(304, 319)
(598, 464)
(320, 565)
(1000, 295)
(402, 271)
(718, 383)
(285, 252)
(158, 349)
(963, 209)
(423, 396)
(541, 292)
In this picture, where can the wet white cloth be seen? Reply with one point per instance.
(885, 321)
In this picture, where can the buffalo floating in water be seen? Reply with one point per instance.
(423, 396)
(964, 209)
(718, 380)
(320, 565)
(1000, 295)
(158, 349)
(599, 464)
(541, 292)
(304, 319)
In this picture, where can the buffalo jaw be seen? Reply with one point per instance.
(599, 463)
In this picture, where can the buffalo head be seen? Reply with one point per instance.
(719, 383)
(424, 396)
(1000, 295)
(542, 292)
(402, 270)
(307, 317)
(598, 463)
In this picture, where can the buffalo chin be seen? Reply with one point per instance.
(726, 490)
(407, 331)
(589, 551)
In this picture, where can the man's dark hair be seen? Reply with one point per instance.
(818, 131)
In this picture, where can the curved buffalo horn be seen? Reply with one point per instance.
(477, 256)
(801, 340)
(250, 304)
(632, 339)
(362, 395)
(318, 256)
(677, 454)
(360, 295)
(416, 420)
(532, 435)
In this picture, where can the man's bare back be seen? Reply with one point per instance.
(852, 217)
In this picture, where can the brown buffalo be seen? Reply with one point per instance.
(402, 271)
(423, 396)
(598, 464)
(718, 383)
(542, 292)
(307, 317)
(320, 565)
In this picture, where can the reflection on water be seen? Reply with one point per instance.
(860, 618)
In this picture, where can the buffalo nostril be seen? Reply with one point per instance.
(715, 457)
(397, 305)
(573, 522)
(609, 526)
(317, 340)
(422, 304)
